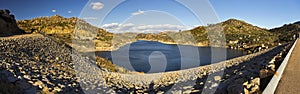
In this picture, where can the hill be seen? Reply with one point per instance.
(239, 34)
(68, 30)
(287, 32)
(297, 22)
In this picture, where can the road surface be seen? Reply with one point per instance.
(290, 81)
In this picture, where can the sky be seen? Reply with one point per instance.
(154, 15)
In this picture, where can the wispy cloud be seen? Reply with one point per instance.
(69, 11)
(53, 10)
(139, 12)
(89, 18)
(97, 5)
(129, 27)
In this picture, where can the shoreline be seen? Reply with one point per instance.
(103, 49)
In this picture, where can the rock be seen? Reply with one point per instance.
(187, 92)
(254, 89)
(8, 24)
(255, 81)
(27, 77)
(57, 89)
(187, 87)
(246, 91)
(217, 78)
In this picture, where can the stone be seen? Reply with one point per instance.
(27, 77)
(217, 78)
(8, 25)
(57, 89)
(254, 89)
(187, 92)
(256, 81)
(246, 91)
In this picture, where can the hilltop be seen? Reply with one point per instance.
(297, 23)
(239, 34)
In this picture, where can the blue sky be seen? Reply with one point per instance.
(263, 13)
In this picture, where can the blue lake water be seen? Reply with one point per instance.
(152, 57)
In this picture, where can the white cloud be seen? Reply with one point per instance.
(89, 18)
(129, 27)
(53, 10)
(138, 13)
(97, 5)
(69, 11)
(111, 26)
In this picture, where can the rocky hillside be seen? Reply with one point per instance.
(288, 32)
(8, 25)
(66, 29)
(239, 34)
(33, 63)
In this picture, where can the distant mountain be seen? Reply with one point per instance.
(61, 27)
(239, 34)
(72, 31)
(287, 32)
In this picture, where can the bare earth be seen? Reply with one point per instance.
(290, 81)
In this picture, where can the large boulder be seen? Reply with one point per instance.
(8, 24)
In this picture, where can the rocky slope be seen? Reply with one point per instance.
(288, 32)
(239, 34)
(33, 63)
(8, 24)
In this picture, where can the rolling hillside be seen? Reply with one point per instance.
(239, 34)
(288, 32)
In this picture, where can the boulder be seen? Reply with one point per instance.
(8, 24)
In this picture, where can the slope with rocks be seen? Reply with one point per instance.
(239, 34)
(67, 29)
(34, 63)
(287, 32)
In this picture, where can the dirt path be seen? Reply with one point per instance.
(290, 81)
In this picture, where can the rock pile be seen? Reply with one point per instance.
(33, 63)
(8, 24)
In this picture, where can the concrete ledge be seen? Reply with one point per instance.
(270, 89)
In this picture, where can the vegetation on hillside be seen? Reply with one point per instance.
(238, 34)
(288, 32)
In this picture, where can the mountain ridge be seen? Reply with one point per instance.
(239, 34)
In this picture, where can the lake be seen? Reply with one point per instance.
(153, 57)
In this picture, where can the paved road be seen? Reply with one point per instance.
(290, 81)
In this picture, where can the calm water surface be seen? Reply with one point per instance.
(151, 57)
